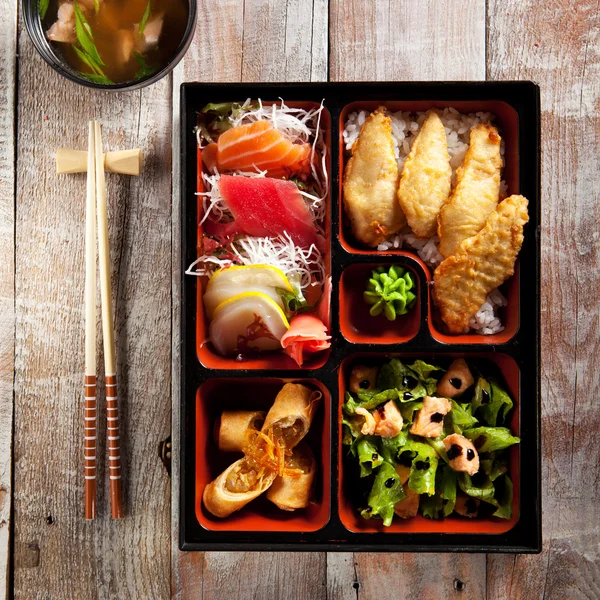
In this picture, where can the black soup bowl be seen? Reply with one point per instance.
(49, 52)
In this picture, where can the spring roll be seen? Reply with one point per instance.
(291, 415)
(293, 492)
(239, 484)
(233, 427)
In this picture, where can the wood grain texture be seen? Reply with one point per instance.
(415, 41)
(57, 553)
(410, 40)
(557, 44)
(8, 62)
(262, 40)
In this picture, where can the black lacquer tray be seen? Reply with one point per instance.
(209, 385)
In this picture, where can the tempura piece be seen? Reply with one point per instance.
(240, 483)
(482, 263)
(476, 193)
(426, 177)
(292, 491)
(371, 181)
(63, 29)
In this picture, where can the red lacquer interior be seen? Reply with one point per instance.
(358, 326)
(273, 360)
(216, 395)
(508, 121)
(349, 514)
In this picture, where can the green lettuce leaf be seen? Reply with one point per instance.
(368, 399)
(413, 380)
(495, 412)
(459, 418)
(504, 496)
(489, 439)
(479, 397)
(368, 454)
(386, 492)
(443, 502)
(482, 487)
(423, 467)
(408, 409)
(493, 464)
(350, 430)
(391, 447)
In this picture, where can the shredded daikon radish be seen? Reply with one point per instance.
(303, 267)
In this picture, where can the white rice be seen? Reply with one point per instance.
(405, 127)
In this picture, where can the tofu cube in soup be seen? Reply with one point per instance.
(456, 380)
(462, 455)
(363, 378)
(430, 419)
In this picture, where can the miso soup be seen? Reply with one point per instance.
(115, 41)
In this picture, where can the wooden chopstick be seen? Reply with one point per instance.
(90, 403)
(110, 367)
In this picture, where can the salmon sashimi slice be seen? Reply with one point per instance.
(257, 146)
(267, 207)
(307, 334)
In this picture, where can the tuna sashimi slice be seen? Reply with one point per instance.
(257, 146)
(307, 334)
(266, 207)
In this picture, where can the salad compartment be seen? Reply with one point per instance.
(501, 366)
(211, 383)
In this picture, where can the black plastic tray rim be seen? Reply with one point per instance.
(524, 347)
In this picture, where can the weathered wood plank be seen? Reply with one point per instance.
(263, 40)
(428, 40)
(57, 553)
(557, 44)
(8, 48)
(406, 41)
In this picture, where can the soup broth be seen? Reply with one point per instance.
(115, 41)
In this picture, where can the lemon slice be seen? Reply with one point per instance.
(231, 281)
(248, 321)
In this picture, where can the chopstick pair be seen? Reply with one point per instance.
(96, 215)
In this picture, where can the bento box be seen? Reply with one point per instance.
(211, 383)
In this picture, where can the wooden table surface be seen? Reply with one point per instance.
(47, 550)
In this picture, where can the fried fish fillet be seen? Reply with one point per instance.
(482, 263)
(426, 177)
(371, 181)
(476, 193)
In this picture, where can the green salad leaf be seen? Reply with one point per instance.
(495, 412)
(443, 502)
(408, 409)
(459, 418)
(391, 447)
(423, 466)
(386, 492)
(411, 382)
(482, 394)
(489, 439)
(482, 487)
(504, 497)
(368, 454)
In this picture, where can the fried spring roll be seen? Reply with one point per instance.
(293, 492)
(291, 415)
(239, 484)
(233, 426)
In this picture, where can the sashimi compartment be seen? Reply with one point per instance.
(263, 252)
